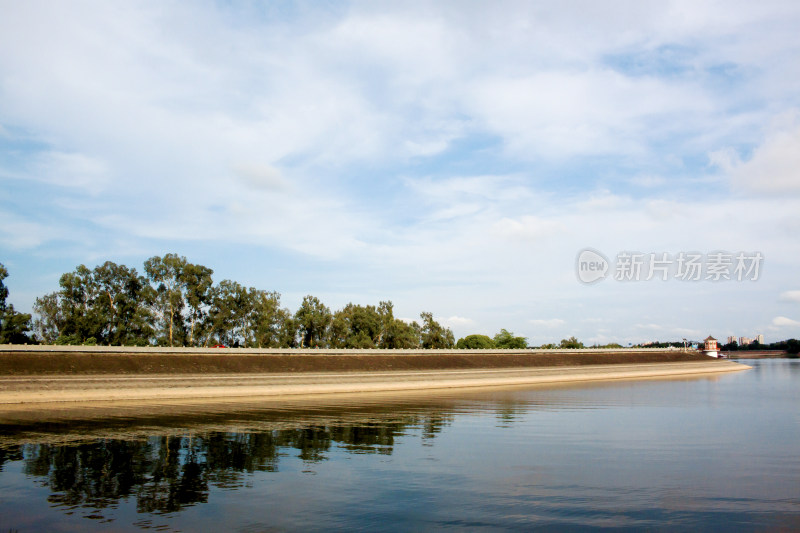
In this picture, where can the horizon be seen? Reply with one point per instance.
(452, 158)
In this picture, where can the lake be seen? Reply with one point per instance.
(707, 453)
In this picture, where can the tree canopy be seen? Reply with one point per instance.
(475, 342)
(506, 339)
(177, 303)
(571, 343)
(433, 334)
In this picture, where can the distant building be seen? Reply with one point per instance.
(710, 347)
(760, 338)
(744, 341)
(731, 339)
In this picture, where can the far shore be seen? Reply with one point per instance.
(96, 375)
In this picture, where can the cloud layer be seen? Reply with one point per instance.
(451, 158)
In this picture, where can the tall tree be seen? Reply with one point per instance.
(401, 335)
(83, 323)
(266, 319)
(506, 339)
(3, 288)
(123, 300)
(395, 333)
(356, 326)
(50, 319)
(230, 313)
(167, 273)
(288, 330)
(107, 305)
(14, 326)
(198, 283)
(434, 335)
(313, 321)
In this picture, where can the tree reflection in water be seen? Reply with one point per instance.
(167, 473)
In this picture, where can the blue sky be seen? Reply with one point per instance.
(453, 157)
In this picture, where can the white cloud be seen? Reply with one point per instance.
(782, 321)
(591, 112)
(647, 181)
(70, 170)
(547, 323)
(650, 327)
(790, 296)
(17, 232)
(458, 321)
(449, 155)
(774, 167)
(526, 228)
(261, 176)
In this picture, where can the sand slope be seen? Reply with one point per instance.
(87, 388)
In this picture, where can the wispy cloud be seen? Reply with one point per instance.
(782, 322)
(547, 322)
(790, 296)
(772, 169)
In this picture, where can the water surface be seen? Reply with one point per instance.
(710, 453)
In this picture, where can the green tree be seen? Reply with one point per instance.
(475, 342)
(433, 334)
(357, 326)
(505, 339)
(571, 343)
(50, 319)
(402, 335)
(14, 326)
(82, 321)
(792, 348)
(266, 319)
(395, 333)
(313, 320)
(167, 273)
(288, 329)
(3, 288)
(197, 282)
(610, 345)
(122, 300)
(230, 314)
(109, 305)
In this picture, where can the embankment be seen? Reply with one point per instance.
(41, 375)
(79, 360)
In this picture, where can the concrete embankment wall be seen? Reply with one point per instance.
(66, 360)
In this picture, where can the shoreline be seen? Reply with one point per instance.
(36, 390)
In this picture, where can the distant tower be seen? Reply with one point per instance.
(710, 347)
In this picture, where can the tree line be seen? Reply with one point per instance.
(176, 303)
(790, 346)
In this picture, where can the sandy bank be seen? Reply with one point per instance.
(116, 387)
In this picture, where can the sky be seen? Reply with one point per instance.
(452, 157)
